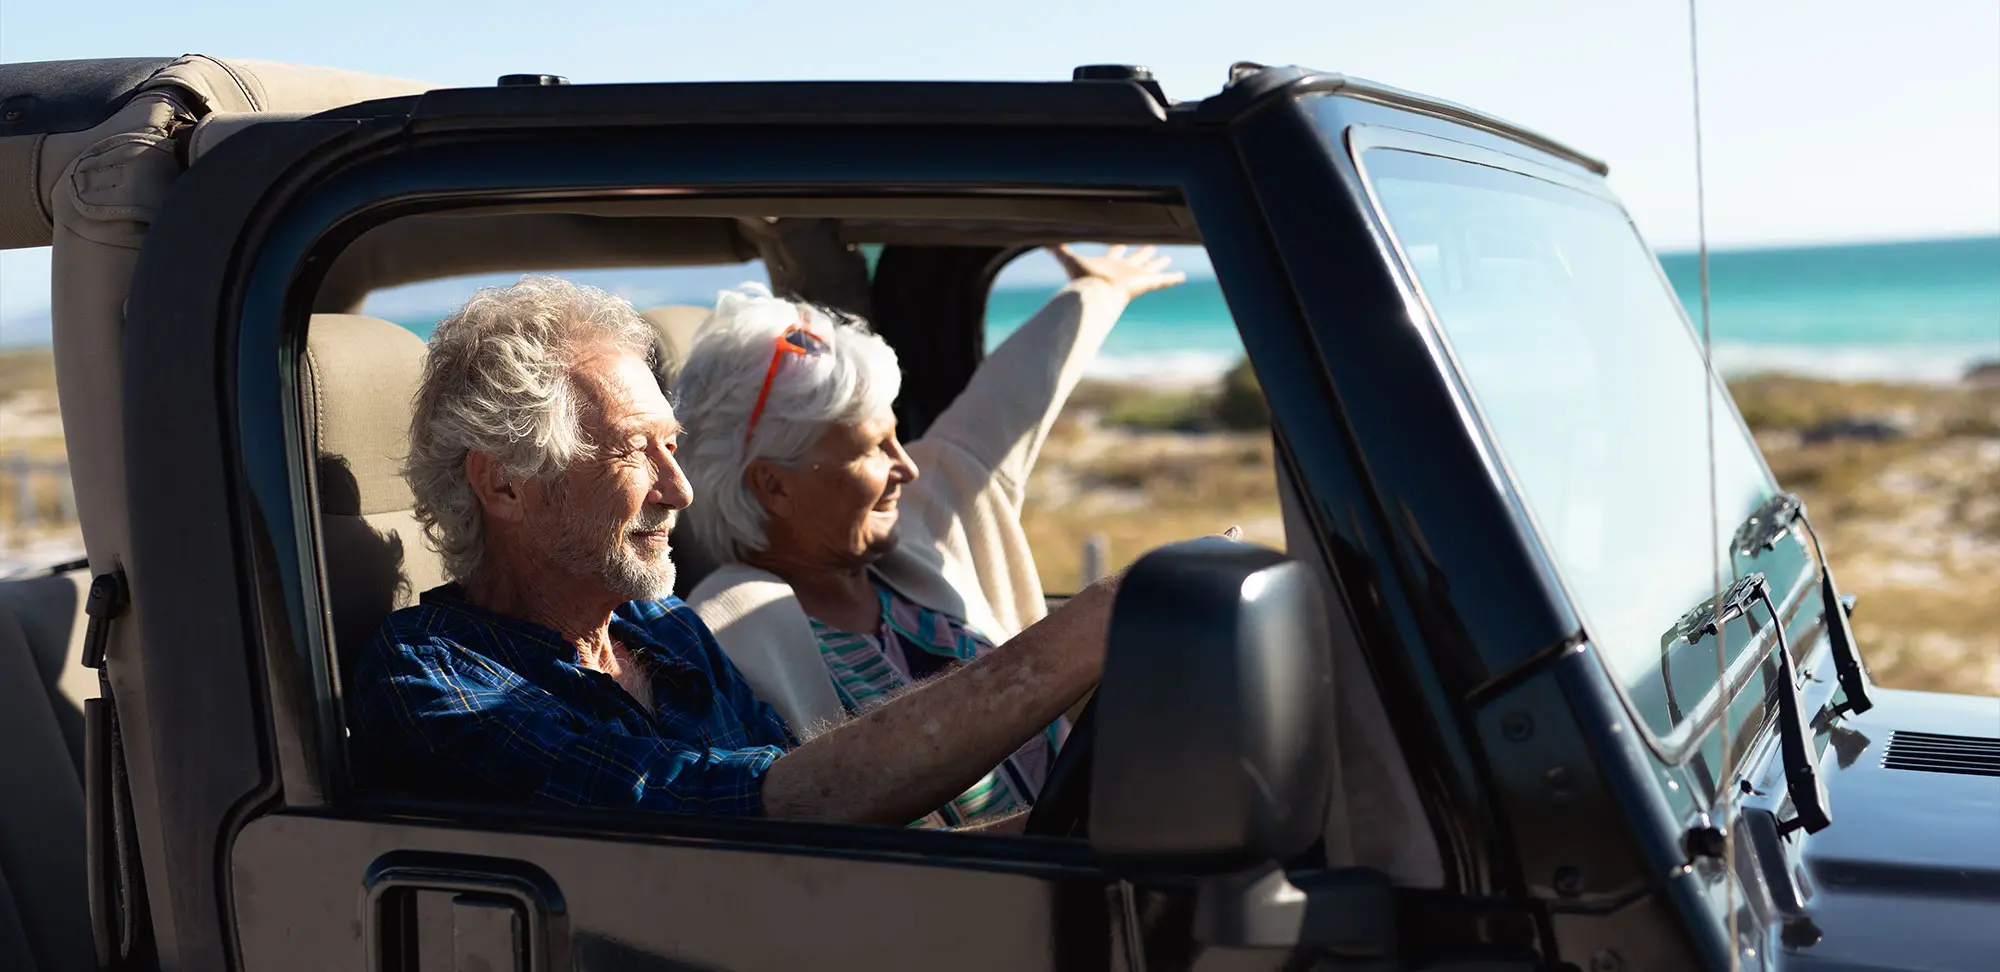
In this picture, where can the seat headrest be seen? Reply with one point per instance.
(676, 324)
(361, 378)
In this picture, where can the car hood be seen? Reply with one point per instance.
(1908, 875)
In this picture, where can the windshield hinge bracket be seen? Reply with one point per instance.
(1762, 531)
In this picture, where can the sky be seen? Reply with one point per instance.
(1829, 121)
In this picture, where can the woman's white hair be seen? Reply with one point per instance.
(717, 387)
(498, 380)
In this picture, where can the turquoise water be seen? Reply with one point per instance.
(1920, 310)
(1931, 292)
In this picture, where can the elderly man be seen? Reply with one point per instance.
(558, 668)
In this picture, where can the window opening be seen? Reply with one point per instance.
(1166, 437)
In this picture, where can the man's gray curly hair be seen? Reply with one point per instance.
(498, 380)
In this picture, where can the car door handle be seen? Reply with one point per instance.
(428, 912)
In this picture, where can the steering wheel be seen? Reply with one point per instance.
(1063, 807)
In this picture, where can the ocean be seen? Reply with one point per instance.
(1918, 311)
(1923, 311)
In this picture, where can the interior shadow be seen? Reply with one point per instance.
(364, 568)
(46, 609)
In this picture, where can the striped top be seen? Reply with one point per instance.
(913, 644)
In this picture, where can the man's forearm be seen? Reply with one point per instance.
(908, 757)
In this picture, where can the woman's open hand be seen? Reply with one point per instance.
(1141, 272)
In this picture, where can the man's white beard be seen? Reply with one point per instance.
(611, 556)
(631, 575)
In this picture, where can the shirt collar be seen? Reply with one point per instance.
(634, 636)
(451, 597)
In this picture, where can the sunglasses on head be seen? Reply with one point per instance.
(798, 339)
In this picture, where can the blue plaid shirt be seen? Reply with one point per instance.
(450, 699)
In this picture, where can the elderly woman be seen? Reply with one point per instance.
(853, 566)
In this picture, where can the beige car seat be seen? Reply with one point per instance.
(676, 325)
(361, 378)
(44, 907)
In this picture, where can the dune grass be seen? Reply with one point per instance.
(1139, 489)
(1911, 522)
(31, 428)
(27, 369)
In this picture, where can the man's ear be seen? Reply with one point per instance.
(498, 496)
(768, 482)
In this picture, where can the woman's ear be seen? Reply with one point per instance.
(498, 496)
(768, 482)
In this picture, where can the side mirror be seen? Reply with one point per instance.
(1215, 716)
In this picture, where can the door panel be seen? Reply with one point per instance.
(302, 901)
(310, 891)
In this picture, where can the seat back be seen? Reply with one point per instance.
(360, 383)
(44, 907)
(676, 325)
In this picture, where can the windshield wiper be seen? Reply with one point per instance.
(1802, 780)
(1762, 531)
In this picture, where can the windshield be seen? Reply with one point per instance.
(1590, 384)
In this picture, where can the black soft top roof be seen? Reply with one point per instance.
(61, 96)
(1094, 102)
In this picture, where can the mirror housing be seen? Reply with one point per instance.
(1214, 739)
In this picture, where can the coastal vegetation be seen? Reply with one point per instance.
(1904, 484)
(1903, 481)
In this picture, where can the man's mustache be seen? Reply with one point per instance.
(651, 520)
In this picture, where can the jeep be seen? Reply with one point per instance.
(1550, 674)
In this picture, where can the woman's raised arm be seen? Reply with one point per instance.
(1004, 413)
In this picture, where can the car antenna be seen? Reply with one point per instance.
(1725, 791)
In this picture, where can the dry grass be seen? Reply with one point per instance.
(1140, 489)
(1912, 522)
(28, 369)
(30, 428)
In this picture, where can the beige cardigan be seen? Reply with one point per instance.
(962, 551)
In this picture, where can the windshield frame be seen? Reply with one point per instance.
(1678, 744)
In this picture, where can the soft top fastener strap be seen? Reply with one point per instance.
(107, 600)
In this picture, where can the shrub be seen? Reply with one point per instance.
(1235, 404)
(1240, 402)
(1159, 411)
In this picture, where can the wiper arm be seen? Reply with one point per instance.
(1802, 780)
(1709, 618)
(1762, 531)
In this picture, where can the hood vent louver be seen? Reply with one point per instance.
(1932, 752)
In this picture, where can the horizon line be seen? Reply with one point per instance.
(1662, 252)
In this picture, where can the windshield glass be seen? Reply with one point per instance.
(1590, 384)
